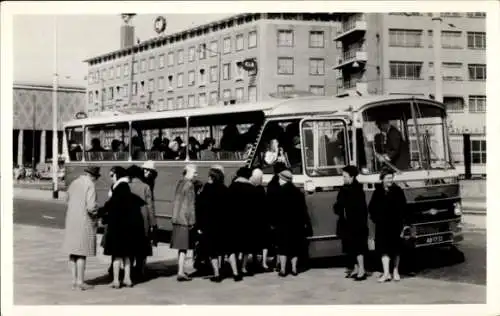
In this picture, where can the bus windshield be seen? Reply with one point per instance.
(405, 136)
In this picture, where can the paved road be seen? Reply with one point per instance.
(472, 271)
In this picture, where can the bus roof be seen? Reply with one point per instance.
(273, 107)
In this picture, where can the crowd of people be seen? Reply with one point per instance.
(243, 224)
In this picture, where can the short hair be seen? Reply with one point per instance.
(120, 172)
(351, 170)
(244, 172)
(216, 175)
(135, 171)
(385, 172)
(187, 167)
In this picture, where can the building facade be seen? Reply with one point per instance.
(392, 53)
(32, 121)
(205, 65)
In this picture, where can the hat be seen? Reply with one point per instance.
(286, 175)
(218, 167)
(351, 170)
(149, 165)
(94, 171)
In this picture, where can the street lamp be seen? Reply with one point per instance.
(55, 140)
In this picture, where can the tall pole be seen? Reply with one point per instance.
(438, 79)
(219, 76)
(34, 132)
(102, 93)
(55, 141)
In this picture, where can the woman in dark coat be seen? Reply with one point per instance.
(387, 207)
(262, 221)
(125, 236)
(353, 221)
(292, 223)
(210, 211)
(272, 205)
(241, 208)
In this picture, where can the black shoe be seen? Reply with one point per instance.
(216, 279)
(360, 278)
(183, 278)
(238, 278)
(248, 273)
(282, 274)
(295, 273)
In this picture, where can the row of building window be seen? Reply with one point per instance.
(476, 104)
(445, 14)
(285, 38)
(412, 70)
(478, 150)
(449, 39)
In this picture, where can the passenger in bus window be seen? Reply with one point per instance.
(295, 155)
(395, 149)
(184, 218)
(173, 152)
(275, 154)
(230, 138)
(137, 148)
(96, 145)
(193, 148)
(157, 144)
(386, 209)
(292, 223)
(352, 224)
(115, 145)
(207, 153)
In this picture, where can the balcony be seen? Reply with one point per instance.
(350, 87)
(351, 56)
(349, 28)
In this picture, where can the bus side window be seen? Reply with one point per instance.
(106, 142)
(74, 138)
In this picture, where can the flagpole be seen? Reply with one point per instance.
(55, 141)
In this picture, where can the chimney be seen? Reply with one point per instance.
(127, 31)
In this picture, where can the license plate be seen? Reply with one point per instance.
(434, 239)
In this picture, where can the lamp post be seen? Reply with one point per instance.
(33, 140)
(438, 79)
(55, 140)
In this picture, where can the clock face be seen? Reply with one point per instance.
(160, 24)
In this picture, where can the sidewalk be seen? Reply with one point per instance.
(41, 276)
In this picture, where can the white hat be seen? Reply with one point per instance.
(149, 165)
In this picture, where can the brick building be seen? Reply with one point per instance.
(32, 121)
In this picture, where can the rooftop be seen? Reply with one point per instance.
(46, 86)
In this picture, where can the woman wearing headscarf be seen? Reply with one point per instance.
(262, 219)
(184, 217)
(124, 237)
(241, 207)
(352, 225)
(211, 209)
(386, 208)
(292, 224)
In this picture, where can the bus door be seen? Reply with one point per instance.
(325, 150)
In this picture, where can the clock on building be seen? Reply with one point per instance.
(160, 24)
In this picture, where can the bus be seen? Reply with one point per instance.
(319, 136)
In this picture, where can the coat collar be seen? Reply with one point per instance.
(121, 180)
(242, 180)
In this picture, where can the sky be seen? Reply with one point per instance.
(78, 38)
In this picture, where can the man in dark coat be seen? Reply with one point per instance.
(395, 148)
(352, 227)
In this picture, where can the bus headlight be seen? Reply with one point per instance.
(457, 208)
(309, 186)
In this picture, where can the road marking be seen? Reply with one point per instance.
(48, 217)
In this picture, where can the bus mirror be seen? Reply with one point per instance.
(309, 186)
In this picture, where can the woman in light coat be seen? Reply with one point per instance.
(81, 224)
(184, 218)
